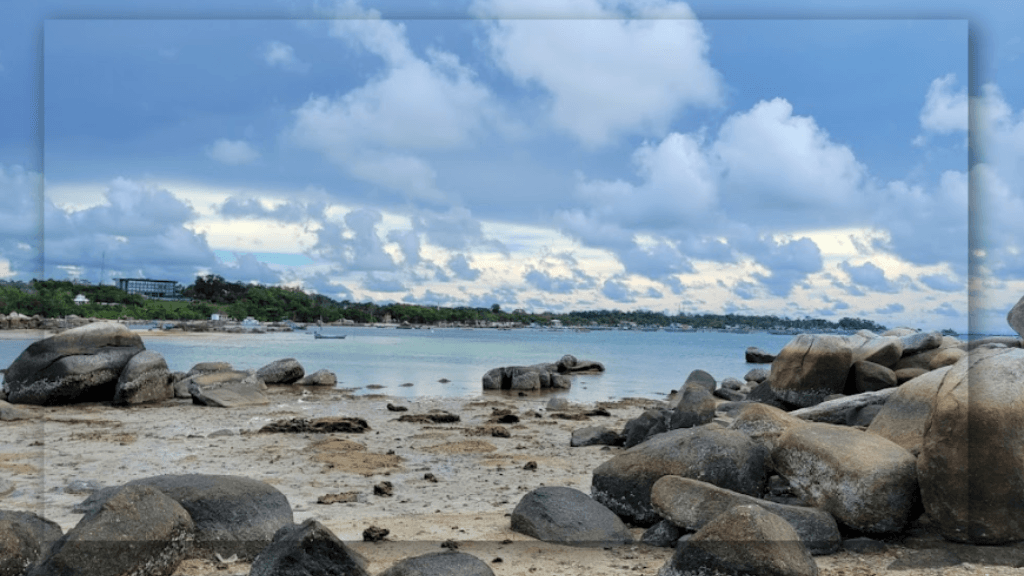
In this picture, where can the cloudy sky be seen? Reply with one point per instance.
(670, 156)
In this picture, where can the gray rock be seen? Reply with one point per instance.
(729, 394)
(137, 530)
(440, 564)
(207, 367)
(900, 332)
(757, 375)
(9, 413)
(866, 376)
(664, 534)
(307, 549)
(322, 377)
(903, 417)
(232, 514)
(742, 541)
(228, 389)
(882, 350)
(595, 436)
(145, 378)
(920, 341)
(841, 410)
(284, 371)
(1008, 341)
(764, 424)
(723, 457)
(904, 375)
(811, 367)
(24, 539)
(865, 481)
(755, 355)
(702, 378)
(566, 363)
(946, 357)
(691, 504)
(650, 422)
(567, 516)
(558, 404)
(731, 384)
(696, 406)
(78, 365)
(524, 380)
(587, 367)
(972, 451)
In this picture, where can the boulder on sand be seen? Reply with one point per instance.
(696, 406)
(972, 453)
(284, 371)
(440, 564)
(723, 457)
(811, 367)
(307, 549)
(145, 378)
(567, 516)
(78, 365)
(228, 389)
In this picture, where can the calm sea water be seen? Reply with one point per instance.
(637, 364)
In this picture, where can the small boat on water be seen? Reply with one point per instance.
(319, 336)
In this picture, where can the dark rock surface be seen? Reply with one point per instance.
(284, 371)
(145, 378)
(568, 516)
(307, 549)
(440, 564)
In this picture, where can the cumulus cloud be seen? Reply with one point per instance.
(375, 132)
(22, 214)
(382, 283)
(455, 229)
(232, 152)
(462, 268)
(789, 263)
(618, 291)
(291, 211)
(247, 268)
(607, 75)
(868, 276)
(548, 283)
(894, 308)
(280, 55)
(323, 283)
(409, 243)
(356, 245)
(141, 229)
(943, 283)
(928, 224)
(944, 110)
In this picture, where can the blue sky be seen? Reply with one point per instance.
(811, 159)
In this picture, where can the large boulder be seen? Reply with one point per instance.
(843, 410)
(322, 377)
(232, 514)
(307, 549)
(883, 350)
(440, 564)
(703, 379)
(742, 541)
(866, 376)
(764, 424)
(145, 378)
(711, 453)
(1015, 317)
(691, 504)
(24, 539)
(696, 406)
(903, 417)
(137, 530)
(78, 365)
(920, 342)
(755, 355)
(595, 436)
(284, 371)
(567, 516)
(810, 368)
(228, 389)
(971, 466)
(652, 421)
(865, 481)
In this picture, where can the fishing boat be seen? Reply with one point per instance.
(319, 336)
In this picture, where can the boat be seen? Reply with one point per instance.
(318, 336)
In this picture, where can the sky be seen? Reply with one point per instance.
(821, 159)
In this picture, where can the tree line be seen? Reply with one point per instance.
(213, 294)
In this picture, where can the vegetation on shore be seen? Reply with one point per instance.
(213, 294)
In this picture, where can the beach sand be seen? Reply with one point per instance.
(480, 477)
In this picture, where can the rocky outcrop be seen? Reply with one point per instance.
(650, 422)
(567, 516)
(595, 436)
(145, 378)
(843, 410)
(865, 481)
(764, 424)
(322, 377)
(882, 350)
(25, 538)
(903, 417)
(136, 530)
(78, 365)
(723, 457)
(810, 368)
(285, 371)
(867, 376)
(232, 514)
(307, 549)
(539, 376)
(743, 541)
(691, 504)
(696, 406)
(755, 355)
(972, 451)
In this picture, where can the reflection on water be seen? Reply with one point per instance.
(640, 364)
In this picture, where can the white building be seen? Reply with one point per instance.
(81, 299)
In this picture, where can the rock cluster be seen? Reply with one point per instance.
(539, 376)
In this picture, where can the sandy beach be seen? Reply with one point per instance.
(51, 461)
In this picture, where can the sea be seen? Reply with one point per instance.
(450, 362)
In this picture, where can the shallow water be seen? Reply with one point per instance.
(638, 364)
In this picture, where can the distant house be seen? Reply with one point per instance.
(215, 317)
(250, 321)
(81, 299)
(556, 323)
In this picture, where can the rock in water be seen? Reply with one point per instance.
(137, 530)
(567, 516)
(972, 453)
(744, 540)
(755, 355)
(308, 549)
(867, 482)
(810, 368)
(78, 365)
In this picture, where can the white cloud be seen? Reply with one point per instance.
(232, 152)
(608, 76)
(462, 268)
(944, 111)
(280, 55)
(22, 214)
